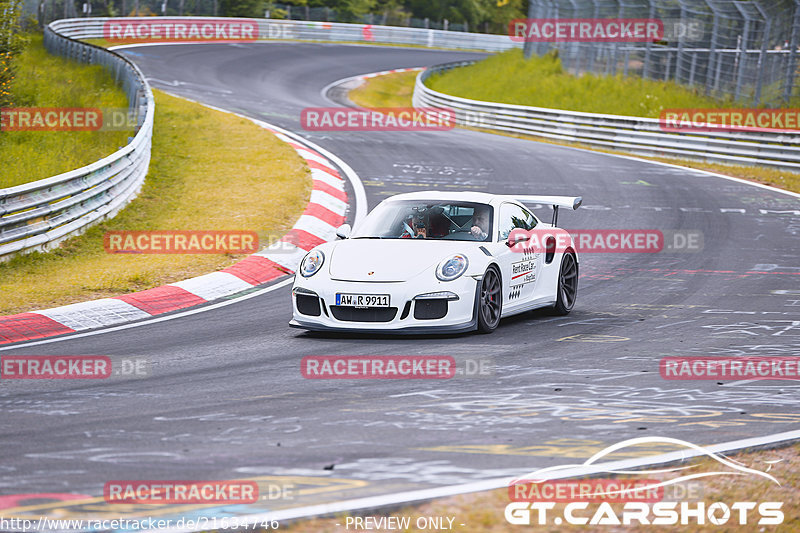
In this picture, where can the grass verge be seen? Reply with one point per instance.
(209, 171)
(541, 81)
(396, 90)
(390, 90)
(44, 80)
(484, 511)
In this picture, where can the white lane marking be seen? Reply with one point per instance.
(707, 172)
(742, 382)
(154, 320)
(391, 500)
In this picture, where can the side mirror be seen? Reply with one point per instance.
(343, 231)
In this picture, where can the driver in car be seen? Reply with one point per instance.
(480, 225)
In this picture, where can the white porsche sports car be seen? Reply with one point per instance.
(428, 262)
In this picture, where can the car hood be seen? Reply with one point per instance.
(389, 260)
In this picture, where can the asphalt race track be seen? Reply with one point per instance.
(225, 398)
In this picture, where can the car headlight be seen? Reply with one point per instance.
(452, 267)
(311, 263)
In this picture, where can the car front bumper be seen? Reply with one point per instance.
(409, 311)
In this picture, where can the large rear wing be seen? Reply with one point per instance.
(572, 202)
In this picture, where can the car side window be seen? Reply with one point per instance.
(513, 216)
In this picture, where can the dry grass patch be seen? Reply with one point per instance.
(209, 171)
(389, 90)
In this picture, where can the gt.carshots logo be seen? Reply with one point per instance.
(164, 29)
(377, 119)
(645, 501)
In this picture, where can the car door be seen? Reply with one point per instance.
(520, 267)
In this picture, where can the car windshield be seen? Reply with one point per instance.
(420, 219)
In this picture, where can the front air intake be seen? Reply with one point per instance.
(430, 309)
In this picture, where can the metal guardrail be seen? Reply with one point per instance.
(273, 29)
(641, 136)
(36, 216)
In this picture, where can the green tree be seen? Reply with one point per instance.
(11, 43)
(352, 10)
(242, 8)
(498, 13)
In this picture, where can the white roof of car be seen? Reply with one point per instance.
(572, 202)
(477, 197)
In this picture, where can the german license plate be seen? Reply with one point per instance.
(362, 300)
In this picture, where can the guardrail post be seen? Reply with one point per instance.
(762, 56)
(712, 47)
(547, 12)
(741, 56)
(527, 46)
(620, 14)
(792, 63)
(593, 49)
(681, 39)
